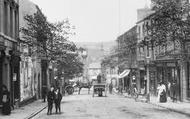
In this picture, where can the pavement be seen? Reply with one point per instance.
(179, 107)
(26, 112)
(31, 110)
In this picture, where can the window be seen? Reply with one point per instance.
(188, 80)
(16, 24)
(5, 18)
(11, 22)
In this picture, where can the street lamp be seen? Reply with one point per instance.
(148, 78)
(84, 56)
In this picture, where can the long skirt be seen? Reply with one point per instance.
(6, 109)
(163, 97)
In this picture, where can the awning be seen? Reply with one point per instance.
(124, 73)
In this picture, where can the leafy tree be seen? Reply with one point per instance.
(51, 41)
(37, 32)
(170, 22)
(126, 51)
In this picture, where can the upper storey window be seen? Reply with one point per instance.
(5, 18)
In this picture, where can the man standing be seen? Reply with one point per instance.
(58, 98)
(110, 88)
(50, 99)
(6, 109)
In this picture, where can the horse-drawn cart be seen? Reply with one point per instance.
(99, 88)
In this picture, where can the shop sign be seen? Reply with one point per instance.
(142, 68)
(14, 77)
(159, 65)
(152, 75)
(171, 64)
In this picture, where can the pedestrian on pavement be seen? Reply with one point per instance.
(44, 93)
(169, 89)
(161, 92)
(174, 91)
(110, 88)
(6, 109)
(50, 99)
(58, 98)
(99, 78)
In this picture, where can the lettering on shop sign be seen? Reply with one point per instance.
(14, 77)
(152, 75)
(160, 65)
(171, 64)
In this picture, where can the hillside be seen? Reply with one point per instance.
(96, 50)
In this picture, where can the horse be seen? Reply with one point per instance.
(81, 85)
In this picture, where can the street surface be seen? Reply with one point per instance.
(84, 106)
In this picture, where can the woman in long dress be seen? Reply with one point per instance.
(161, 92)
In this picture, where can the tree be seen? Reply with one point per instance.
(169, 23)
(52, 42)
(37, 32)
(126, 51)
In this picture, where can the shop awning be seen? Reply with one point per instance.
(124, 73)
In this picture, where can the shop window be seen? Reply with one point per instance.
(11, 22)
(148, 52)
(188, 80)
(16, 24)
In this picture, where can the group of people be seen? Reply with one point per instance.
(162, 92)
(54, 97)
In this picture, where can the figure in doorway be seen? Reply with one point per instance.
(44, 93)
(6, 109)
(162, 92)
(174, 91)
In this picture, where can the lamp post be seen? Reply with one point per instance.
(148, 79)
(84, 56)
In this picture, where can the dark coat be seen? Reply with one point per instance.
(6, 109)
(50, 96)
(58, 97)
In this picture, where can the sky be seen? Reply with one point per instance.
(95, 20)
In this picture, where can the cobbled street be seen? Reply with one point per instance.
(84, 106)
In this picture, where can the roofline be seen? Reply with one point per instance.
(150, 15)
(126, 32)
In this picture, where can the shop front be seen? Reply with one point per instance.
(15, 77)
(2, 56)
(169, 73)
(141, 76)
(124, 80)
(188, 81)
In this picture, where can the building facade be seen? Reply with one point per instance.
(9, 48)
(127, 59)
(93, 70)
(30, 65)
(162, 64)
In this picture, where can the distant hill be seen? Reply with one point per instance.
(96, 50)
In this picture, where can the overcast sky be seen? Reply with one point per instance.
(95, 20)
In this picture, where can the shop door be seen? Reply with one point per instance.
(1, 79)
